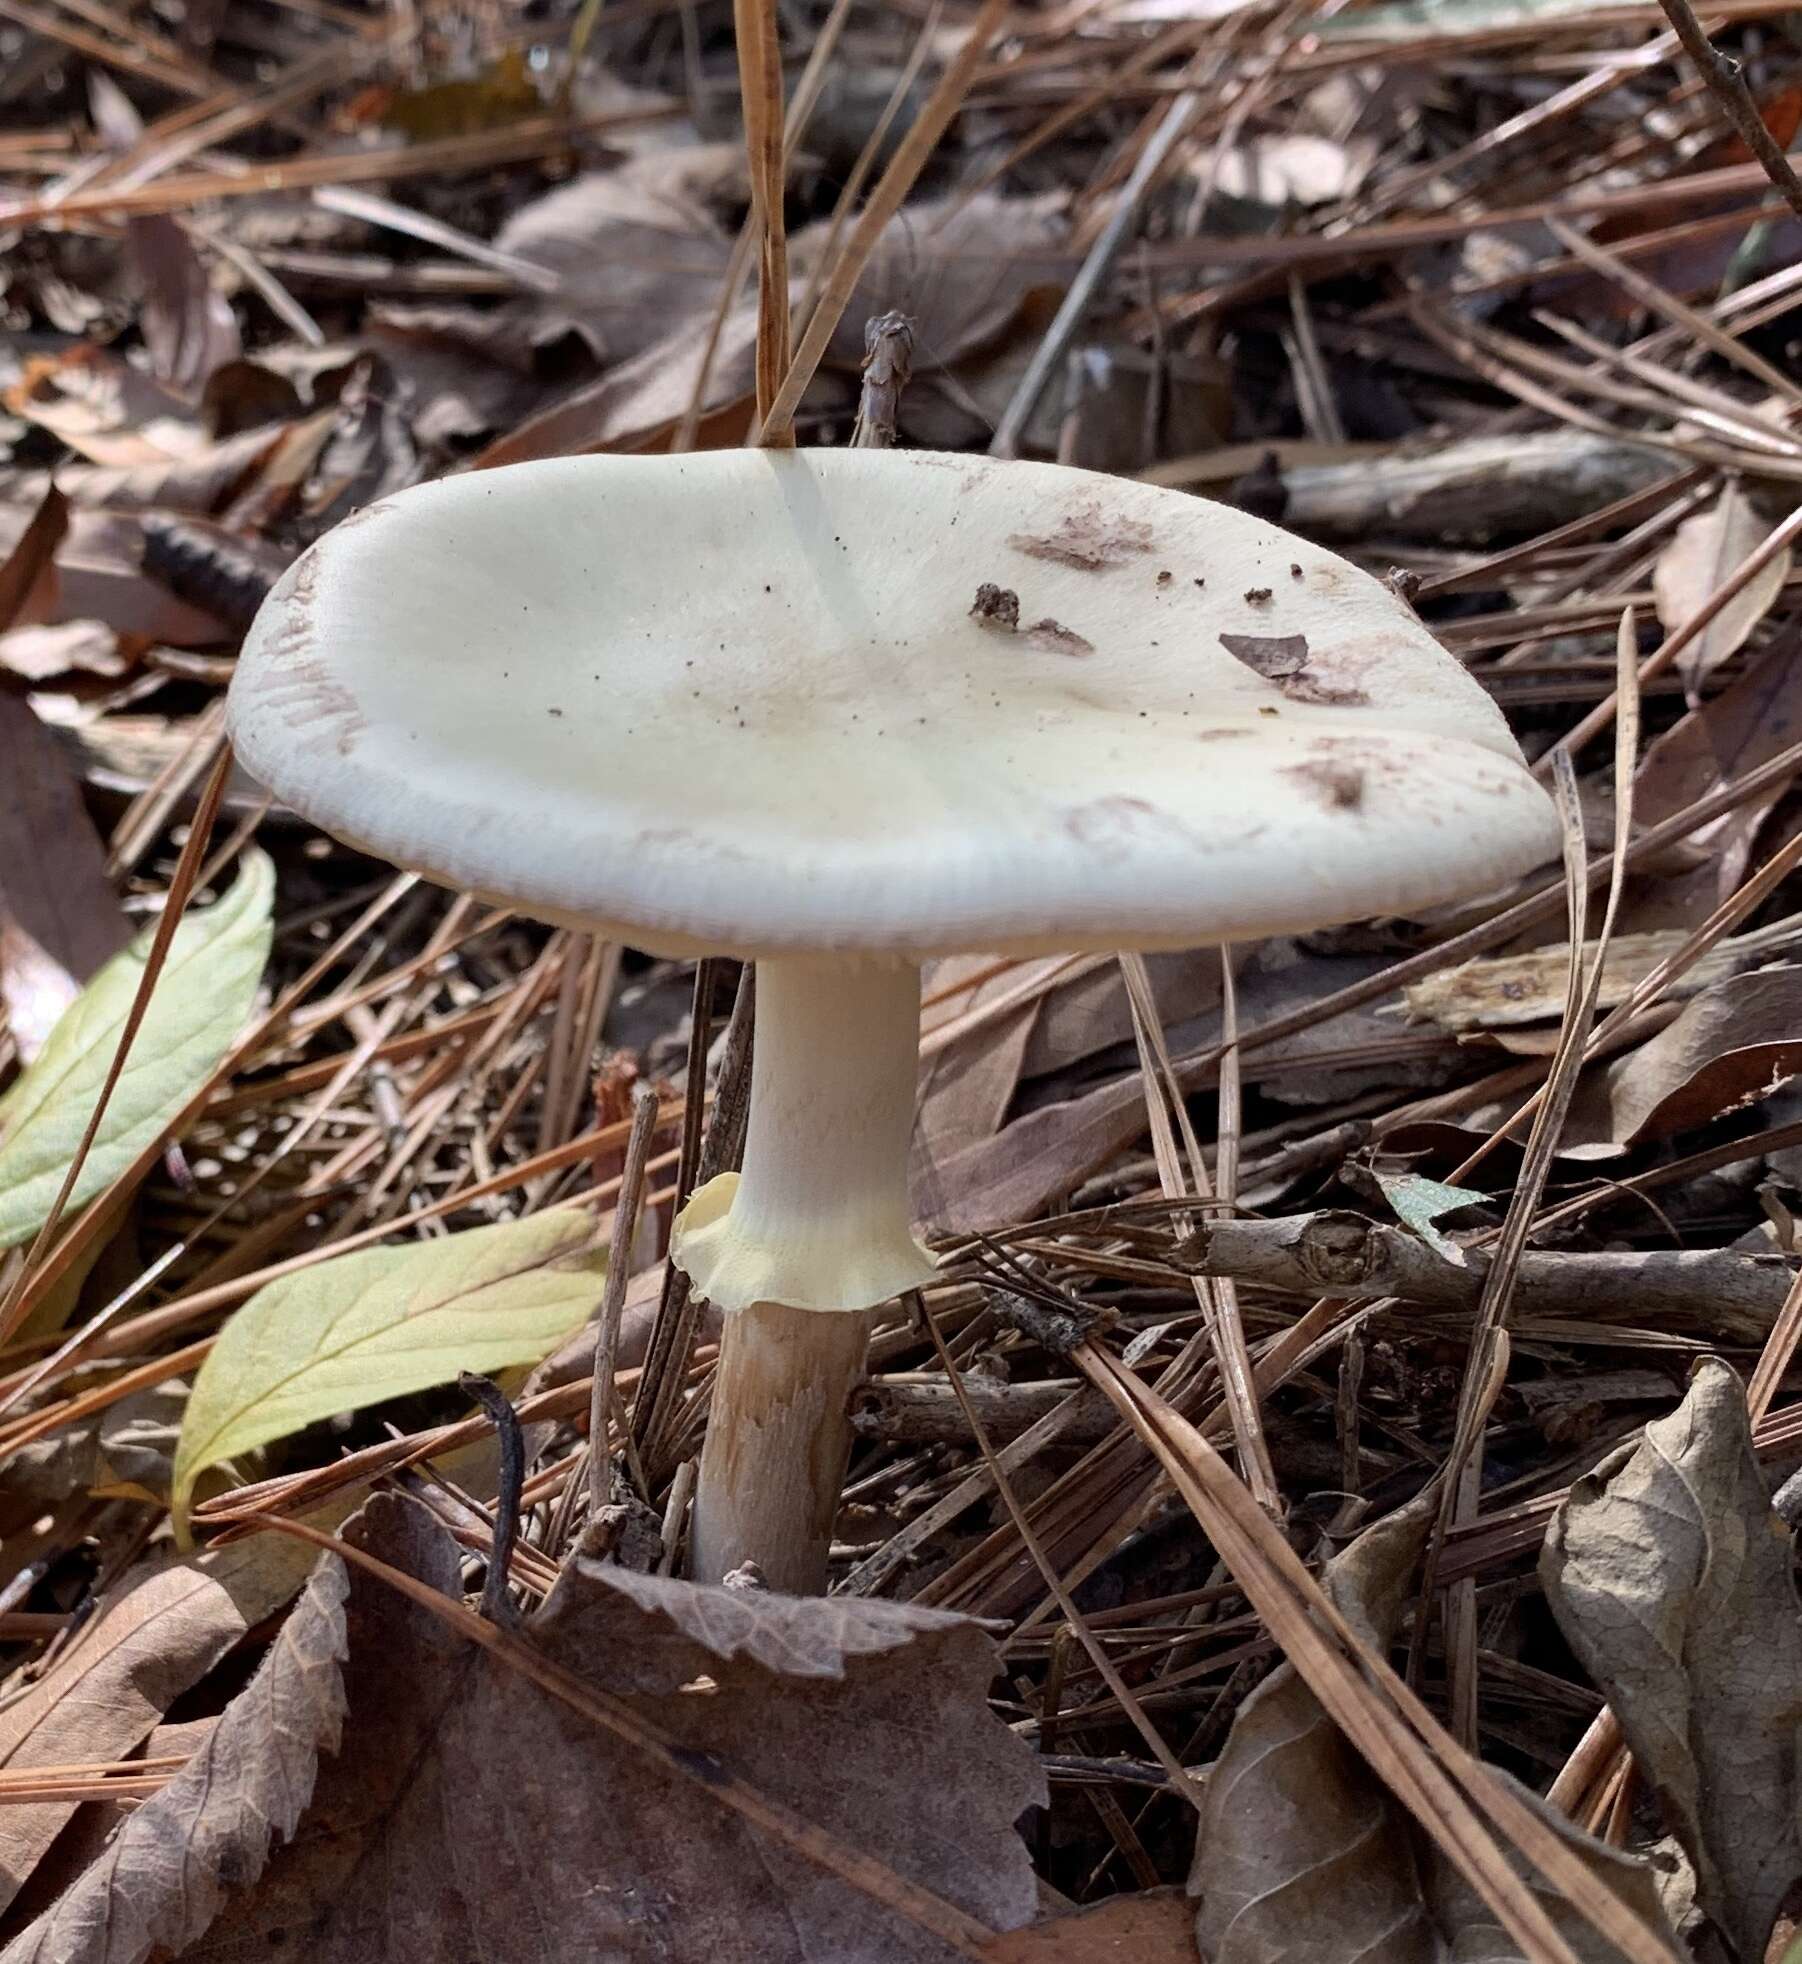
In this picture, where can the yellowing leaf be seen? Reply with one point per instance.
(1703, 551)
(201, 999)
(370, 1326)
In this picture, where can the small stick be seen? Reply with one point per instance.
(681, 1491)
(645, 1108)
(1727, 84)
(497, 1605)
(888, 361)
(660, 1389)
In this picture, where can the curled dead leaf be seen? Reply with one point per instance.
(1672, 1580)
(163, 1877)
(1702, 555)
(1304, 1857)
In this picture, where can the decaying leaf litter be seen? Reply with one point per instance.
(1495, 301)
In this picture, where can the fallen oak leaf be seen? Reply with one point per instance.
(398, 1857)
(1671, 1578)
(165, 1874)
(152, 1636)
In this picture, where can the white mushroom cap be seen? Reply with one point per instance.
(739, 702)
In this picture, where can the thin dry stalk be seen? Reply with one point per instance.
(603, 1412)
(760, 94)
(891, 189)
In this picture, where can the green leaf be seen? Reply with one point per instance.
(358, 1329)
(202, 997)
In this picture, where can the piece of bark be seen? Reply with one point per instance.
(1476, 489)
(929, 1412)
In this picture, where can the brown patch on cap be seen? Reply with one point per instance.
(1307, 687)
(1090, 539)
(1111, 824)
(996, 606)
(1339, 786)
(1058, 638)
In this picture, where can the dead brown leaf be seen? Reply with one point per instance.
(105, 409)
(128, 1448)
(1152, 1926)
(153, 1635)
(198, 482)
(1751, 721)
(98, 575)
(634, 260)
(1703, 551)
(638, 404)
(188, 327)
(52, 657)
(1072, 1126)
(168, 1868)
(869, 1718)
(1736, 1040)
(59, 916)
(959, 272)
(1671, 1579)
(31, 556)
(1304, 1856)
(968, 1082)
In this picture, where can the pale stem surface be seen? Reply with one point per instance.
(825, 1170)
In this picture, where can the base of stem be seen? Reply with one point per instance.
(778, 1439)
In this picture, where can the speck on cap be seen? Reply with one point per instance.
(769, 702)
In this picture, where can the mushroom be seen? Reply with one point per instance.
(768, 704)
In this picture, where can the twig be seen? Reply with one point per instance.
(888, 361)
(1338, 1253)
(675, 1512)
(1727, 84)
(678, 1311)
(645, 1109)
(497, 1605)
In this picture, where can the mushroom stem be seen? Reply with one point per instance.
(778, 1439)
(816, 1234)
